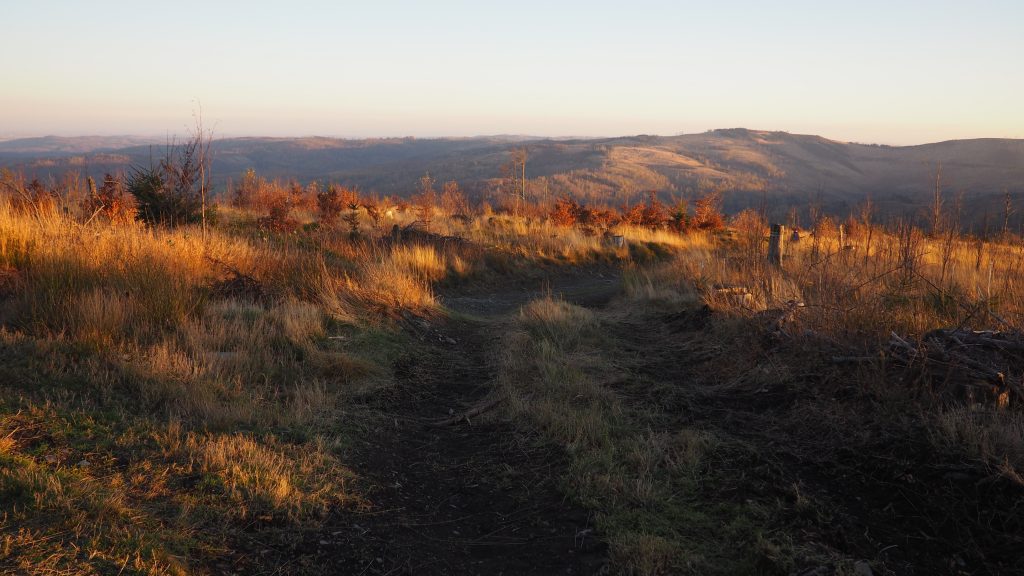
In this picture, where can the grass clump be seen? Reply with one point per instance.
(261, 477)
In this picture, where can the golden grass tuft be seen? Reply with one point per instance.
(261, 477)
(419, 261)
(997, 440)
(103, 318)
(385, 286)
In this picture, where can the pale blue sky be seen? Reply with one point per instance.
(894, 72)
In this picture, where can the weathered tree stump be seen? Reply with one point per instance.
(777, 244)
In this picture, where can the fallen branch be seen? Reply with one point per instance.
(472, 412)
(976, 366)
(854, 359)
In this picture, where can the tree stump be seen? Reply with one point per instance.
(777, 244)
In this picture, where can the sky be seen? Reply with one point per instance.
(893, 72)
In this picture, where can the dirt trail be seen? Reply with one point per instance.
(588, 289)
(473, 497)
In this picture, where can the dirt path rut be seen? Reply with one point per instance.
(472, 497)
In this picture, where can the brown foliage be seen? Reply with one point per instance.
(632, 214)
(279, 209)
(600, 217)
(751, 228)
(567, 211)
(110, 202)
(329, 204)
(708, 213)
(825, 227)
(279, 218)
(296, 193)
(426, 200)
(651, 214)
(254, 192)
(453, 201)
(35, 196)
(351, 198)
(654, 214)
(373, 211)
(750, 223)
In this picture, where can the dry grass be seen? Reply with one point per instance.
(143, 352)
(996, 439)
(855, 298)
(562, 375)
(857, 295)
(132, 378)
(542, 241)
(261, 476)
(401, 278)
(902, 281)
(615, 388)
(199, 411)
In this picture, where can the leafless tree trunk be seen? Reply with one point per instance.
(1007, 212)
(866, 212)
(204, 142)
(514, 178)
(937, 203)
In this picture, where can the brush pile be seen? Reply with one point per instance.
(416, 233)
(965, 366)
(239, 286)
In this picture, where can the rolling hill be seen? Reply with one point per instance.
(750, 167)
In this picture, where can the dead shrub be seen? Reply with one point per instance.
(110, 202)
(329, 203)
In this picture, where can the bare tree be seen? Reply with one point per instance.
(867, 211)
(453, 201)
(426, 199)
(203, 140)
(936, 208)
(1007, 212)
(513, 176)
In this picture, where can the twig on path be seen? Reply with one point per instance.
(474, 411)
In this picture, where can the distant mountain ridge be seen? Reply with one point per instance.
(65, 145)
(750, 167)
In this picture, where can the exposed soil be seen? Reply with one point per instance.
(588, 288)
(465, 498)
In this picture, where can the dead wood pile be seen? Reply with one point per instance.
(415, 233)
(983, 367)
(237, 285)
